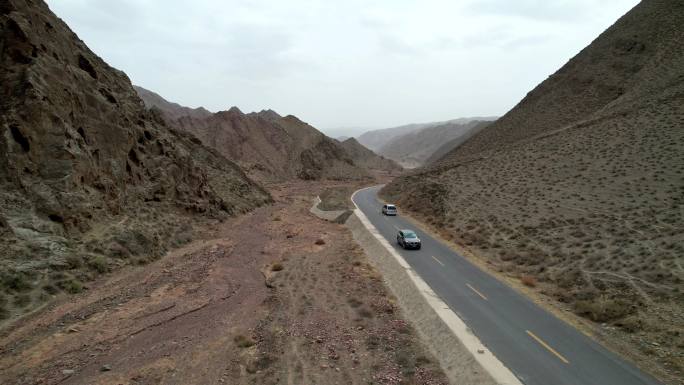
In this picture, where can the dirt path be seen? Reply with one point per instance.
(275, 296)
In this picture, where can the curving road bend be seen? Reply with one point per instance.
(537, 347)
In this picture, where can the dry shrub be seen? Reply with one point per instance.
(243, 341)
(353, 302)
(277, 266)
(71, 285)
(604, 309)
(528, 280)
(631, 324)
(319, 241)
(365, 312)
(22, 300)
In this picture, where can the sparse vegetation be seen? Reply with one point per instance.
(73, 261)
(99, 264)
(15, 281)
(71, 285)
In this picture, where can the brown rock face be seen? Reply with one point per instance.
(86, 171)
(270, 147)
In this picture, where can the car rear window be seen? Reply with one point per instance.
(391, 207)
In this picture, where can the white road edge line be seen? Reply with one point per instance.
(438, 261)
(499, 372)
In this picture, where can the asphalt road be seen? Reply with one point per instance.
(537, 347)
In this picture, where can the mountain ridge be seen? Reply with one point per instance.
(413, 149)
(273, 147)
(375, 139)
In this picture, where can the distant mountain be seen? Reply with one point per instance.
(375, 139)
(580, 187)
(268, 146)
(342, 138)
(413, 149)
(447, 146)
(90, 179)
(367, 158)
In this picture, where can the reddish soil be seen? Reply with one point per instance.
(274, 296)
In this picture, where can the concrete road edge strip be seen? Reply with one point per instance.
(327, 215)
(461, 354)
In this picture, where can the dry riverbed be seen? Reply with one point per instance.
(274, 296)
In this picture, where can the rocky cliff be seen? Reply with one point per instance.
(90, 179)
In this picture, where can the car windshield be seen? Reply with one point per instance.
(408, 234)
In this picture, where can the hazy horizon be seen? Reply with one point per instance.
(346, 65)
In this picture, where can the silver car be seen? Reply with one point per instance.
(389, 210)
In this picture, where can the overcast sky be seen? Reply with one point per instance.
(347, 63)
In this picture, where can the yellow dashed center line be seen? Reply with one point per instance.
(477, 292)
(438, 261)
(549, 348)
